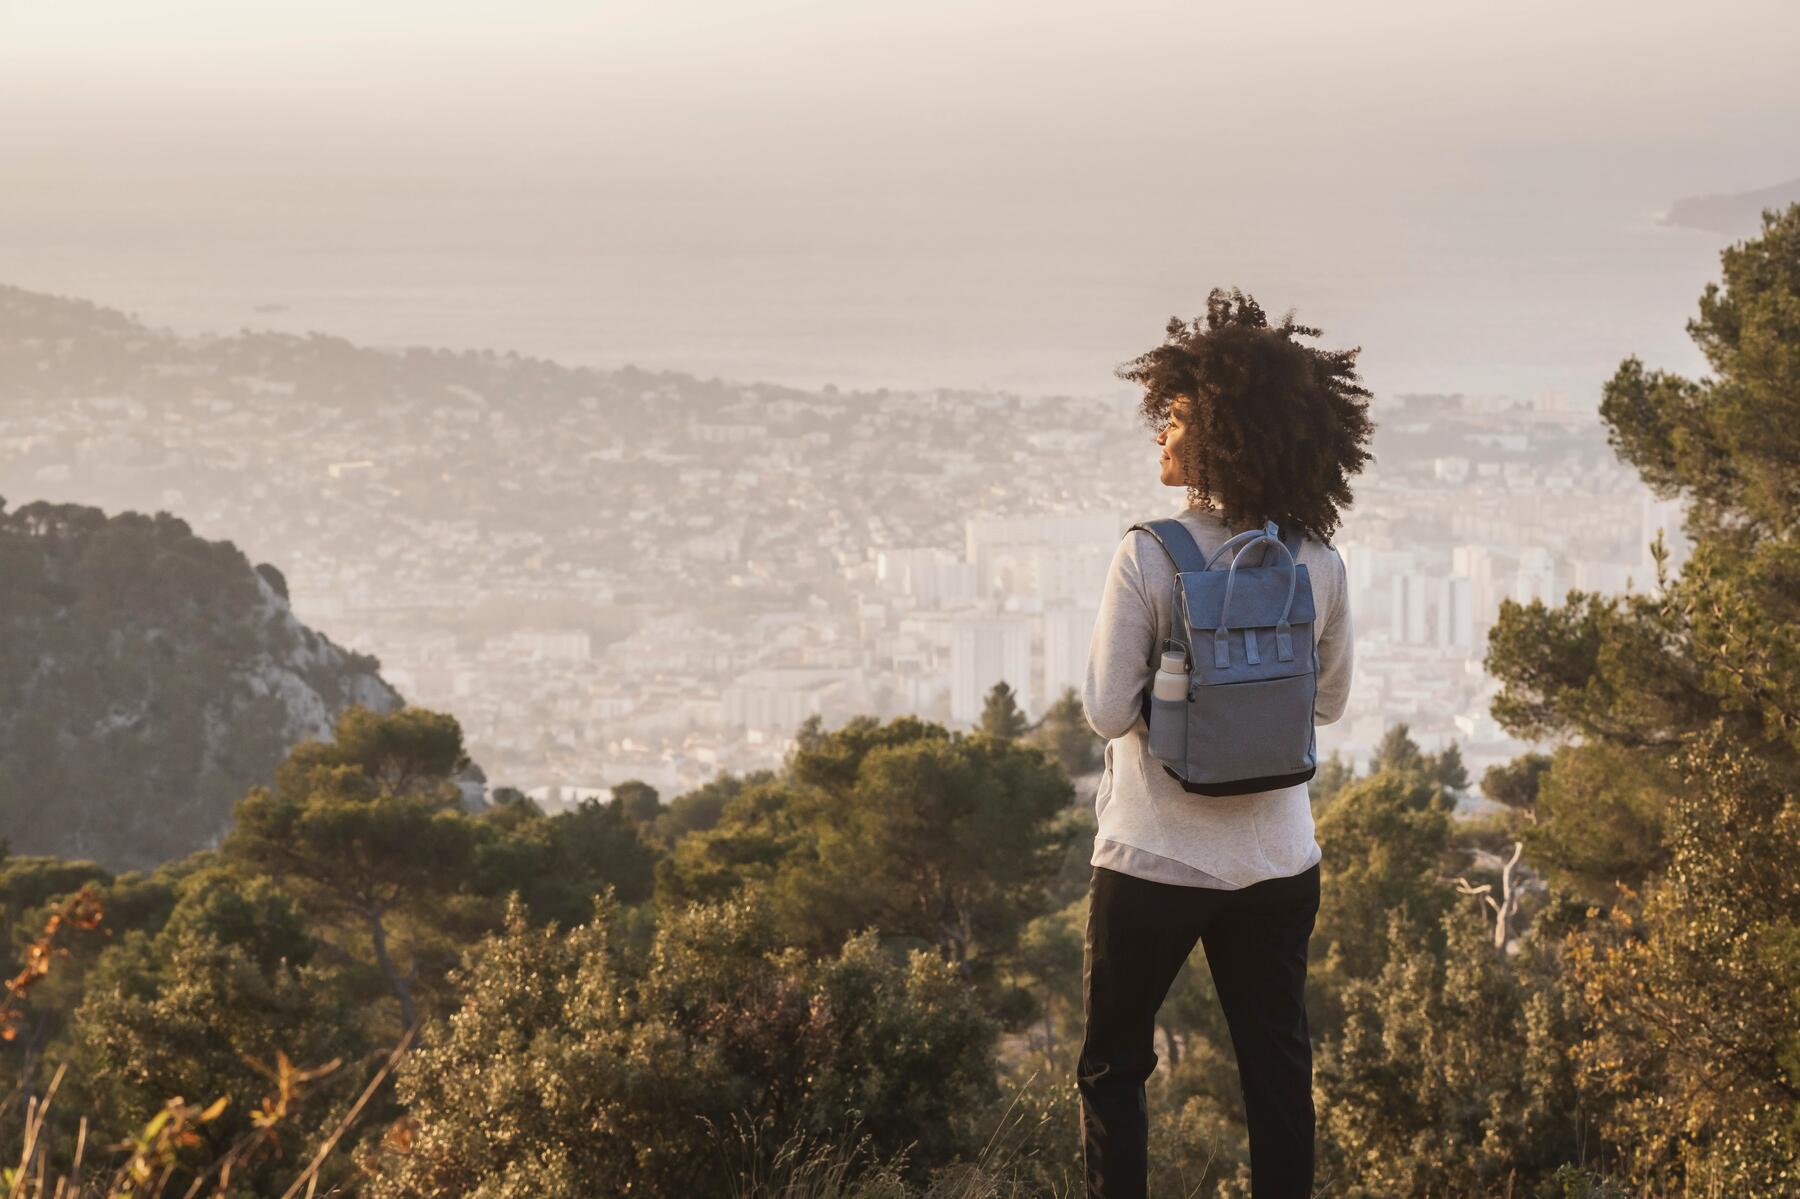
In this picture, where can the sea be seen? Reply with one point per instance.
(1525, 295)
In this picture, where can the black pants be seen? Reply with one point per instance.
(1138, 934)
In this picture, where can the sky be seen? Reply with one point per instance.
(906, 190)
(815, 86)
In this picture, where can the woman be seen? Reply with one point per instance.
(1256, 427)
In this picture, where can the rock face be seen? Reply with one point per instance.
(148, 678)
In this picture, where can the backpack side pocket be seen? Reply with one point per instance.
(1168, 729)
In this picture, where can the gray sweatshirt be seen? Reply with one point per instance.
(1149, 826)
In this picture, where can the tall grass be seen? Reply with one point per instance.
(801, 1167)
(147, 1163)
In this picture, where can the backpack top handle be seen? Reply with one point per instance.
(1271, 531)
(1184, 554)
(1284, 641)
(1237, 540)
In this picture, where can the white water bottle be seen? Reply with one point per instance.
(1168, 708)
(1171, 680)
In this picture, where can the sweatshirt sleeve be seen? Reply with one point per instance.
(1119, 655)
(1336, 653)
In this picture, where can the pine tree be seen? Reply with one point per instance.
(1000, 715)
(1671, 799)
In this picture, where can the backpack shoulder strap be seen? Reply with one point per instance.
(1176, 542)
(1184, 554)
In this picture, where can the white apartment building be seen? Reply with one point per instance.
(1409, 608)
(932, 577)
(554, 645)
(983, 651)
(1536, 579)
(988, 539)
(1068, 636)
(1456, 613)
(779, 699)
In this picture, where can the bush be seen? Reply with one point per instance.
(563, 1075)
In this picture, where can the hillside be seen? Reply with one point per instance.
(148, 677)
(1737, 215)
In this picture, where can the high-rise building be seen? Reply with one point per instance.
(932, 577)
(985, 650)
(987, 539)
(1370, 573)
(1052, 574)
(1455, 612)
(1408, 624)
(1068, 636)
(1486, 568)
(1537, 577)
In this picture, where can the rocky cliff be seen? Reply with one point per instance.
(148, 677)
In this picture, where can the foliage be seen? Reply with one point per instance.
(1398, 752)
(637, 801)
(189, 1013)
(700, 809)
(1387, 836)
(1721, 642)
(1001, 718)
(936, 838)
(1065, 735)
(1450, 1076)
(1333, 775)
(1671, 797)
(365, 828)
(1601, 811)
(590, 1080)
(1695, 988)
(82, 910)
(1048, 960)
(1515, 784)
(558, 863)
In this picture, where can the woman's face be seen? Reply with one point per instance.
(1173, 456)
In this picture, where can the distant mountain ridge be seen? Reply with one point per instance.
(55, 345)
(148, 678)
(1737, 215)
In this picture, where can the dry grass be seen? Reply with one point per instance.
(800, 1168)
(152, 1156)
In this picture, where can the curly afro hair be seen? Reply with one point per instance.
(1276, 428)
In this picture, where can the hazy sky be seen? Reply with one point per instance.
(787, 166)
(816, 83)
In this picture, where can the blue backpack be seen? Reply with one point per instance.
(1246, 632)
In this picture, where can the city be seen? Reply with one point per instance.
(623, 575)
